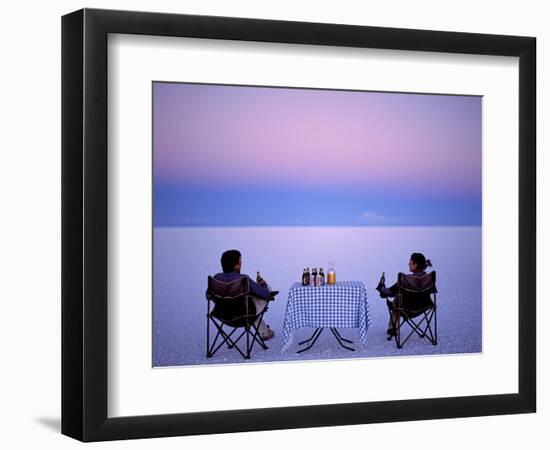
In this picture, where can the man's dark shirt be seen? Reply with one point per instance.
(255, 289)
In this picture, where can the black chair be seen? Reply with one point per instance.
(415, 305)
(233, 309)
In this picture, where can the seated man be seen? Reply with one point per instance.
(231, 265)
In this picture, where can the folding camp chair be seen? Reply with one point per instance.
(415, 305)
(233, 309)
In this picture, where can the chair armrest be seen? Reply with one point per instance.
(272, 295)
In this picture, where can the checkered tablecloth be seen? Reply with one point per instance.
(343, 305)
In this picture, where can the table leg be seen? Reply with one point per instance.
(340, 336)
(340, 339)
(313, 339)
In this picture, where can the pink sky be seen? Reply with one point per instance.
(315, 138)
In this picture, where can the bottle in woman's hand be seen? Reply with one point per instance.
(382, 281)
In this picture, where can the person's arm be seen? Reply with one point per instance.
(257, 290)
(387, 292)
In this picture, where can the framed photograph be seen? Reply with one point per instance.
(271, 224)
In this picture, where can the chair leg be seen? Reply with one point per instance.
(411, 324)
(256, 338)
(226, 339)
(419, 329)
(398, 334)
(252, 336)
(208, 355)
(433, 335)
(423, 332)
(427, 331)
(254, 331)
(435, 324)
(209, 348)
(247, 342)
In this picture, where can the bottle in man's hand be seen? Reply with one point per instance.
(260, 280)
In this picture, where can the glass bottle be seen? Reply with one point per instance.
(331, 274)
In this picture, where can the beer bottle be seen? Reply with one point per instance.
(304, 278)
(314, 277)
(258, 277)
(322, 277)
(308, 277)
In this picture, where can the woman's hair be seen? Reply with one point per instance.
(229, 259)
(420, 260)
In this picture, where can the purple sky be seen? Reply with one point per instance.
(209, 138)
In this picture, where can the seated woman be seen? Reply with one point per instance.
(417, 265)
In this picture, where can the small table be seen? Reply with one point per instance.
(342, 305)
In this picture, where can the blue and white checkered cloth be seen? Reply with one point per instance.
(343, 305)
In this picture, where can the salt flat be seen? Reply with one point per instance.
(184, 257)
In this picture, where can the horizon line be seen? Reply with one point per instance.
(320, 226)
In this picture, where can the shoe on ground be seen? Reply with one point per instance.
(270, 333)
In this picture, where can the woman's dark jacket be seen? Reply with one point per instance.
(413, 302)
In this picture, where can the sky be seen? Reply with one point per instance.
(266, 156)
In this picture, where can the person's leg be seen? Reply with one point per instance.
(392, 323)
(395, 319)
(262, 327)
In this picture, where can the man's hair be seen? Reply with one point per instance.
(229, 259)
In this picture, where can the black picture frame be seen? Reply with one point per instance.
(84, 224)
